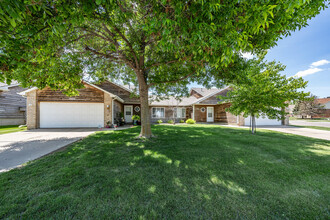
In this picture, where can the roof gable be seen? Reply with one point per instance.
(204, 91)
(118, 90)
(212, 99)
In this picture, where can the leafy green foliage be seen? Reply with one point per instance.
(159, 121)
(157, 45)
(166, 44)
(181, 121)
(264, 91)
(190, 121)
(170, 122)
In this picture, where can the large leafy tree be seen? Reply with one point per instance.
(264, 91)
(159, 45)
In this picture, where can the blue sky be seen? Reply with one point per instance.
(307, 54)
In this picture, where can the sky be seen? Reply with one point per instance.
(306, 53)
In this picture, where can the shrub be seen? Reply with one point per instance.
(159, 121)
(181, 121)
(170, 121)
(190, 121)
(136, 117)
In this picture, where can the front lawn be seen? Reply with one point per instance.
(10, 128)
(188, 172)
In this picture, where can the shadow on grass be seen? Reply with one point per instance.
(198, 171)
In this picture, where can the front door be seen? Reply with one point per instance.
(210, 114)
(128, 112)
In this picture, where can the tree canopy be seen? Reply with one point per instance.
(156, 44)
(264, 91)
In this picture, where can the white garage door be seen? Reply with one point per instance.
(263, 121)
(71, 115)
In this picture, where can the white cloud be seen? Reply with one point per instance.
(320, 63)
(309, 71)
(247, 55)
(312, 68)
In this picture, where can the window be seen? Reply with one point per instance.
(203, 109)
(137, 108)
(158, 112)
(179, 112)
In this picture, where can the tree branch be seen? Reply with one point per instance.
(159, 63)
(128, 44)
(173, 81)
(112, 58)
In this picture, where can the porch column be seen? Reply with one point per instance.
(31, 110)
(107, 108)
(193, 114)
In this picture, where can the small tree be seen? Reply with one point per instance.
(264, 91)
(307, 107)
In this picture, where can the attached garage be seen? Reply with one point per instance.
(263, 121)
(71, 115)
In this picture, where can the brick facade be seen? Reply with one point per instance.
(31, 110)
(107, 109)
(220, 114)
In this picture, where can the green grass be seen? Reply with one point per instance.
(10, 128)
(313, 127)
(188, 172)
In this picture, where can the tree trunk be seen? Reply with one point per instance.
(145, 115)
(253, 124)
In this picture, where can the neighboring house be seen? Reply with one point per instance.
(325, 112)
(12, 105)
(99, 104)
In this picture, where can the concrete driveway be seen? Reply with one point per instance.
(310, 123)
(20, 147)
(308, 132)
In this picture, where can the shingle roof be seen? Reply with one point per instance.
(13, 83)
(186, 101)
(205, 91)
(172, 101)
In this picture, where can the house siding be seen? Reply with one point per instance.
(12, 107)
(87, 94)
(169, 114)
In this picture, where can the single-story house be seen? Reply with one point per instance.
(325, 111)
(100, 104)
(12, 105)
